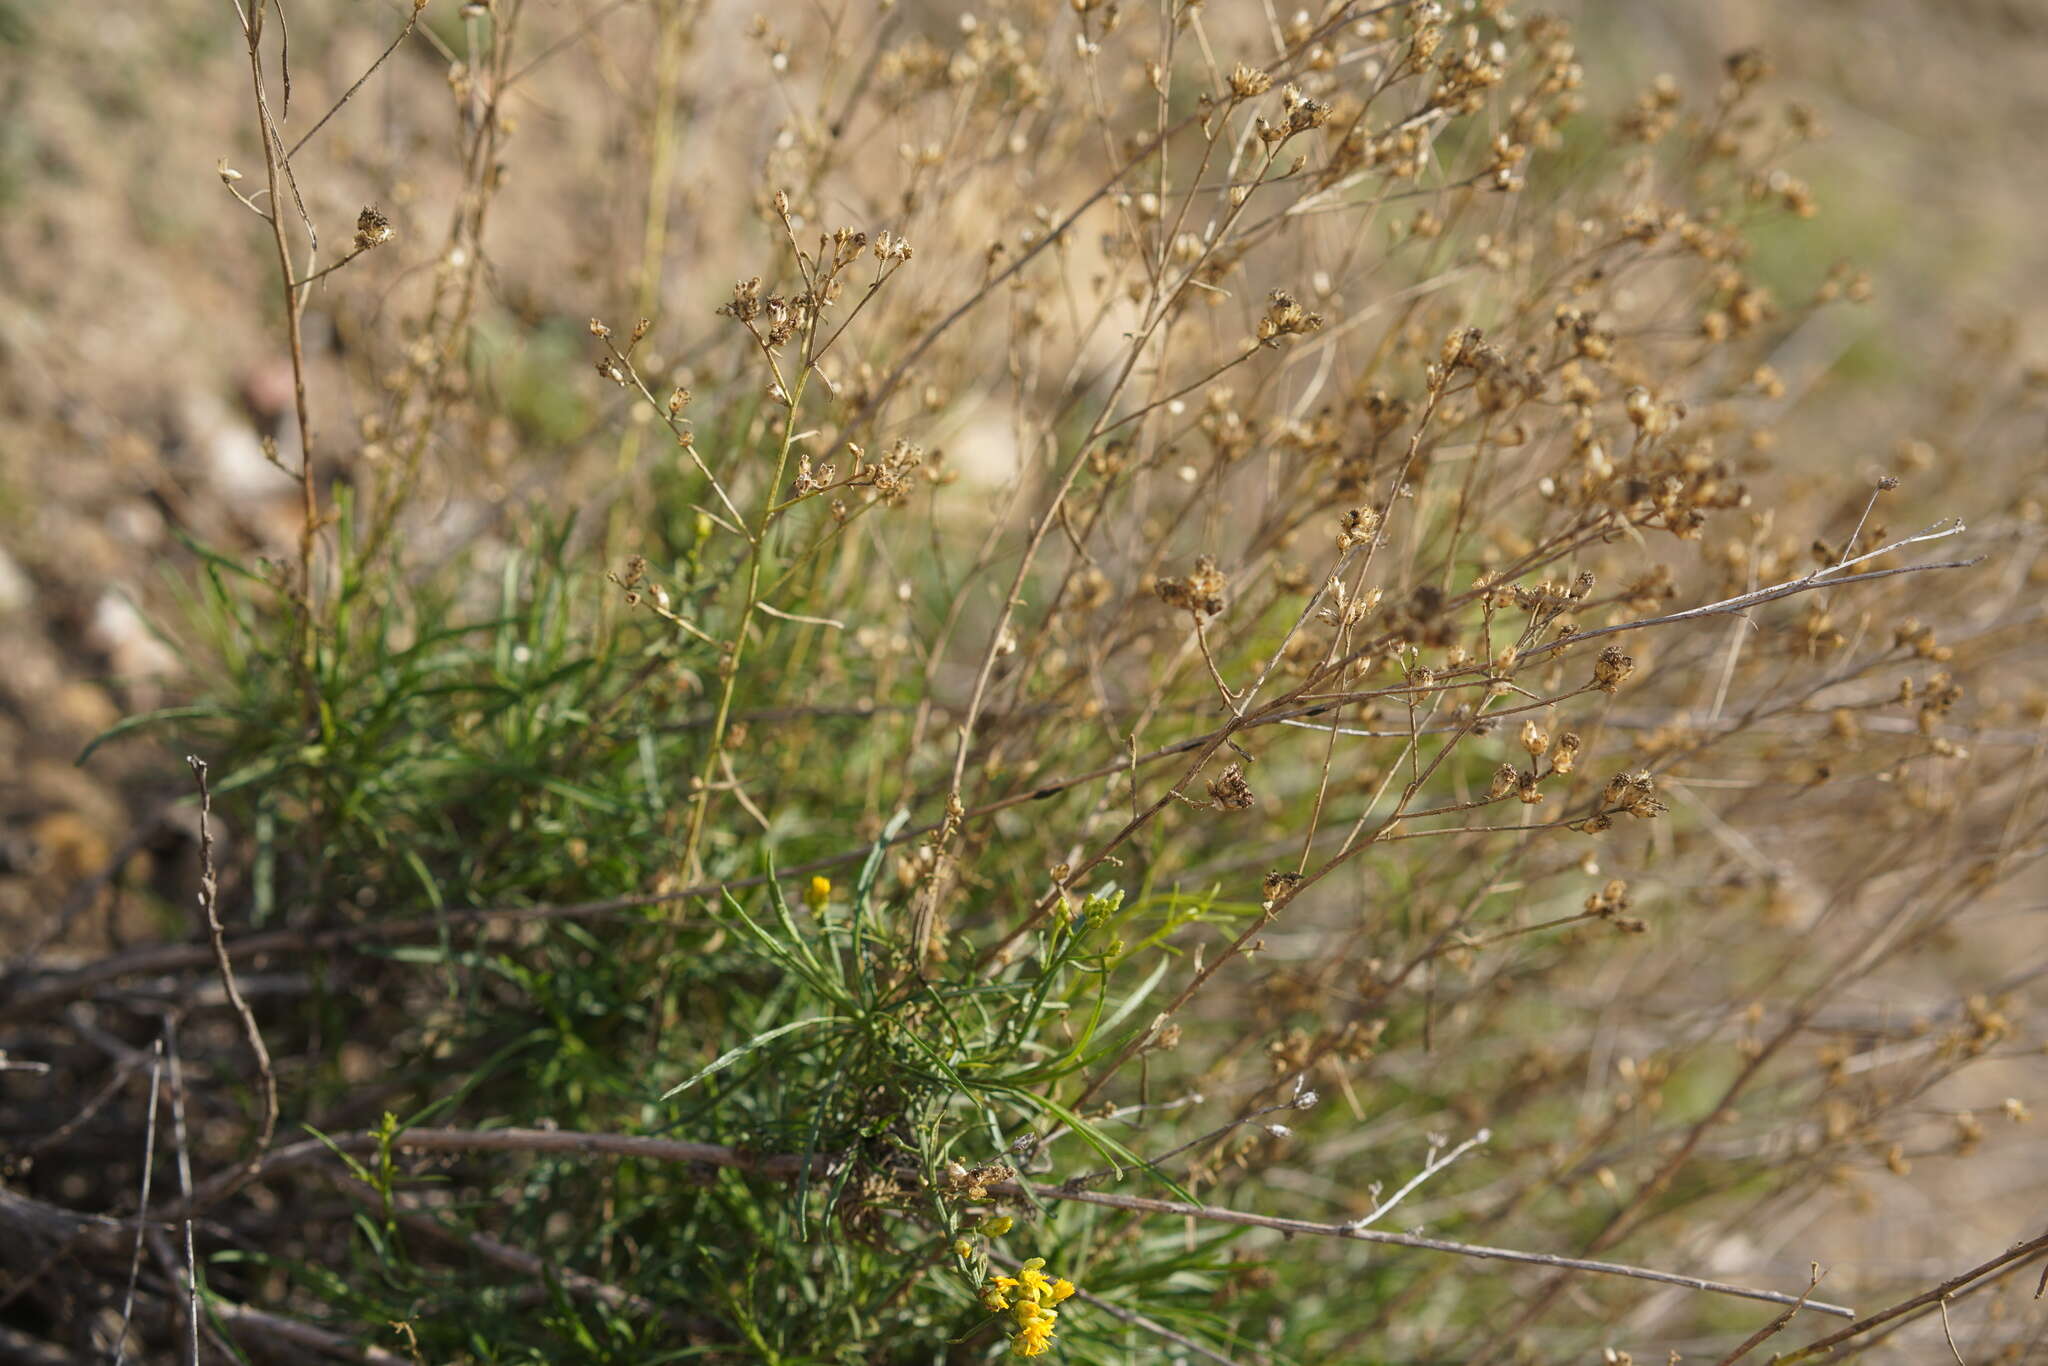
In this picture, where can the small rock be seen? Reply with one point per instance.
(69, 846)
(133, 651)
(82, 709)
(17, 593)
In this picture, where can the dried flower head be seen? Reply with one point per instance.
(373, 229)
(1230, 792)
(1612, 669)
(1200, 592)
(1248, 82)
(1285, 318)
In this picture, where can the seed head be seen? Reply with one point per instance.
(1247, 82)
(373, 229)
(1612, 669)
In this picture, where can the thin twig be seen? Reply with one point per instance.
(2012, 1258)
(411, 21)
(142, 1207)
(1950, 1333)
(183, 1147)
(300, 1335)
(513, 1259)
(23, 1001)
(1145, 1205)
(788, 1166)
(209, 902)
(1769, 1330)
(784, 1166)
(1430, 1167)
(1818, 579)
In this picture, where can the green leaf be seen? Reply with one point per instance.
(733, 1055)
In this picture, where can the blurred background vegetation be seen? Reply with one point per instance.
(594, 765)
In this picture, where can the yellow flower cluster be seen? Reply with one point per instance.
(1028, 1297)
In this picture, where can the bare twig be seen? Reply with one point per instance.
(411, 21)
(209, 902)
(514, 1259)
(315, 1151)
(1949, 1333)
(789, 1165)
(1771, 1329)
(141, 1206)
(1145, 1205)
(183, 1147)
(240, 1318)
(1820, 578)
(1430, 1167)
(2010, 1260)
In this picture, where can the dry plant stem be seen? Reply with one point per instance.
(266, 1076)
(446, 322)
(675, 426)
(26, 1001)
(183, 1149)
(788, 1166)
(1624, 1219)
(277, 169)
(1769, 1330)
(1818, 579)
(671, 29)
(141, 1206)
(757, 551)
(2006, 1262)
(1144, 1205)
(1948, 1332)
(1012, 599)
(181, 956)
(997, 954)
(1354, 845)
(1430, 1167)
(1857, 960)
(1272, 908)
(411, 21)
(300, 1336)
(536, 1269)
(993, 285)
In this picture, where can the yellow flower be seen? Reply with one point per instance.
(1033, 1338)
(818, 893)
(995, 1296)
(1032, 1278)
(996, 1225)
(1029, 1296)
(962, 1249)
